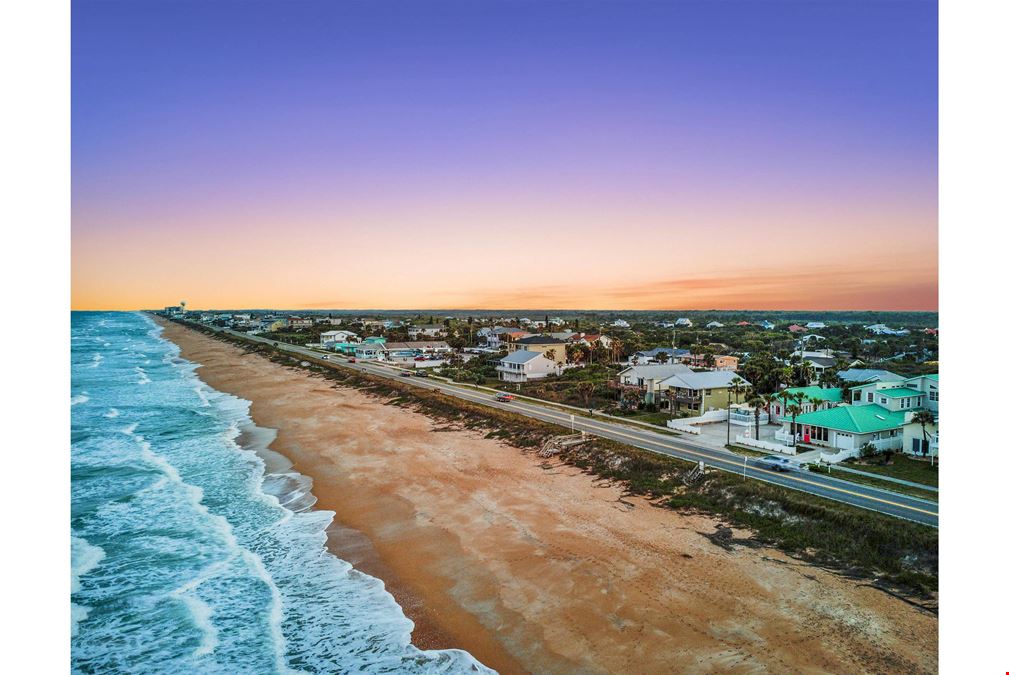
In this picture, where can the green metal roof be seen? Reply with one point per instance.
(856, 419)
(830, 394)
(933, 376)
(899, 392)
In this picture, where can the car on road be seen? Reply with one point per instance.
(420, 358)
(421, 373)
(406, 373)
(774, 463)
(351, 360)
(504, 397)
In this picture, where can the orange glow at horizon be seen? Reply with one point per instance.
(562, 260)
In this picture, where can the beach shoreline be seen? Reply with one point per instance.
(537, 567)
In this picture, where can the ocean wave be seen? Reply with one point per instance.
(79, 398)
(215, 564)
(84, 557)
(96, 360)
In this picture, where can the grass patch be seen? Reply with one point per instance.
(904, 468)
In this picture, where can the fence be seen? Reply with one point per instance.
(764, 445)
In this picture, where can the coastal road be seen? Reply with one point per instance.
(863, 496)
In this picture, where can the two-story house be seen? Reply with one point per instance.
(523, 365)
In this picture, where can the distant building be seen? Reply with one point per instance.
(718, 361)
(426, 330)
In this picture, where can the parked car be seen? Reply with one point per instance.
(325, 358)
(774, 463)
(421, 373)
(351, 360)
(504, 397)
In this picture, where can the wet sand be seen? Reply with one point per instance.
(535, 567)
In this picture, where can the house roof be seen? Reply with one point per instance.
(712, 379)
(539, 340)
(825, 361)
(899, 392)
(651, 353)
(832, 394)
(868, 375)
(856, 419)
(521, 356)
(654, 371)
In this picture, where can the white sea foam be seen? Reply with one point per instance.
(112, 413)
(143, 376)
(84, 557)
(96, 360)
(79, 398)
(226, 532)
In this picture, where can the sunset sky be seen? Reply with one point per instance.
(505, 154)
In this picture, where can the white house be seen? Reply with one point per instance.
(524, 365)
(620, 323)
(714, 324)
(816, 324)
(883, 329)
(337, 336)
(684, 322)
(425, 330)
(646, 378)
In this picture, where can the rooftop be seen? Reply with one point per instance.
(832, 394)
(521, 356)
(857, 419)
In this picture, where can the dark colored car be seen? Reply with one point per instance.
(405, 373)
(504, 397)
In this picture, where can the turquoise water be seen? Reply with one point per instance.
(185, 556)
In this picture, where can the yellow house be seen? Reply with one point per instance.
(550, 347)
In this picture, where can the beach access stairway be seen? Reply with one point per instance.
(557, 444)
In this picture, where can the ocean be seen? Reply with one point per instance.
(190, 555)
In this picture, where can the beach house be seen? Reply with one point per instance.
(699, 392)
(551, 347)
(523, 365)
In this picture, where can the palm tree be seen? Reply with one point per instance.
(815, 402)
(586, 389)
(924, 418)
(794, 410)
(735, 386)
(757, 402)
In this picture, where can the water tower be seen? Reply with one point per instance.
(182, 304)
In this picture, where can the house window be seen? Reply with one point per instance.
(707, 392)
(882, 399)
(817, 433)
(869, 397)
(933, 396)
(856, 396)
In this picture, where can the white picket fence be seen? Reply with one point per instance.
(764, 445)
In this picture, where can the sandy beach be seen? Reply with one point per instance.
(537, 567)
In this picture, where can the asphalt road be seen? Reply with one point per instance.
(863, 496)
